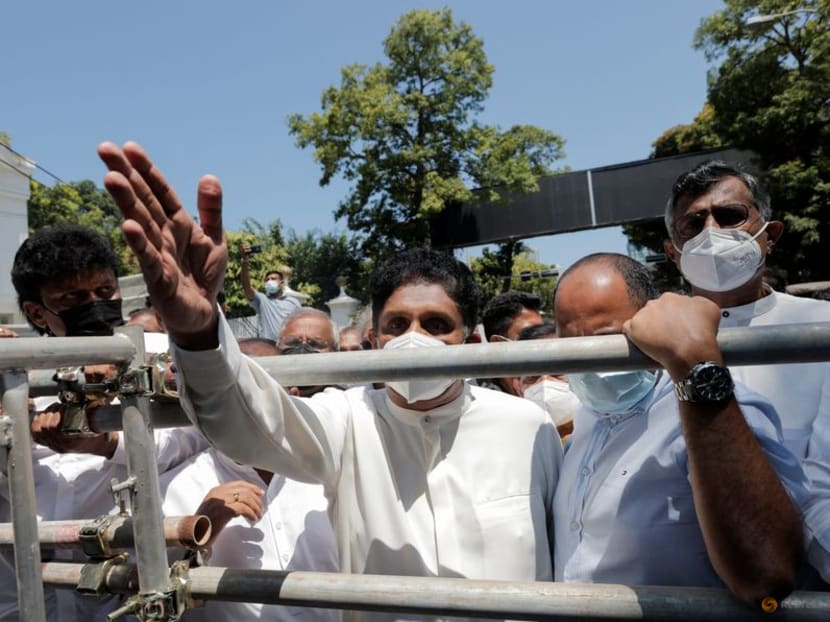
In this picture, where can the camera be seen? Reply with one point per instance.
(255, 248)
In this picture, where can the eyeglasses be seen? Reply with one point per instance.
(727, 216)
(298, 342)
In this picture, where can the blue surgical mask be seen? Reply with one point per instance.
(272, 287)
(613, 393)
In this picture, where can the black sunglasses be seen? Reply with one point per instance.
(727, 216)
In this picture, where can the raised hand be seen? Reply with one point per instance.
(183, 262)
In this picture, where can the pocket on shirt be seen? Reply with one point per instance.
(510, 528)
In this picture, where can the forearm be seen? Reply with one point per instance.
(250, 418)
(245, 275)
(752, 531)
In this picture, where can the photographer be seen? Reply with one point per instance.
(273, 306)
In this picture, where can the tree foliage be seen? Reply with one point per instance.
(770, 93)
(523, 274)
(319, 259)
(82, 203)
(404, 134)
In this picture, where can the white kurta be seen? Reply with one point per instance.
(293, 534)
(464, 490)
(799, 391)
(77, 486)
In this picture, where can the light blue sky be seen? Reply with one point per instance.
(206, 87)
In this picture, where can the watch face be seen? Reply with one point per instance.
(712, 382)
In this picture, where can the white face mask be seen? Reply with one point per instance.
(719, 260)
(556, 398)
(417, 390)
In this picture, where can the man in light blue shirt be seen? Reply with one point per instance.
(673, 477)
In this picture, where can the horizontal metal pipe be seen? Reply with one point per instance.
(463, 597)
(35, 353)
(790, 343)
(181, 531)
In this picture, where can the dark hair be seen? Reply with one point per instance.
(638, 282)
(500, 311)
(539, 331)
(279, 272)
(58, 253)
(696, 182)
(430, 267)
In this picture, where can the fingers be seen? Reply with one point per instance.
(44, 425)
(133, 195)
(156, 184)
(241, 498)
(209, 202)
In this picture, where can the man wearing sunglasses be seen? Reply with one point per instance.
(721, 230)
(308, 331)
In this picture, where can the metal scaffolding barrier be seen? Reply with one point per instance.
(462, 597)
(158, 592)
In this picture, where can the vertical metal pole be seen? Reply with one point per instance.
(22, 499)
(148, 522)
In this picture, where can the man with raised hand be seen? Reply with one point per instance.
(426, 477)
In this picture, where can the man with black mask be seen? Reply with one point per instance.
(66, 278)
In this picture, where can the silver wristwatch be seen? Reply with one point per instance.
(707, 382)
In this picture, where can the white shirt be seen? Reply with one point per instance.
(799, 391)
(463, 490)
(625, 512)
(76, 486)
(293, 534)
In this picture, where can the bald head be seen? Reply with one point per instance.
(258, 346)
(599, 293)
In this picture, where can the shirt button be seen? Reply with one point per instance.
(574, 525)
(726, 314)
(586, 471)
(427, 419)
(284, 557)
(278, 525)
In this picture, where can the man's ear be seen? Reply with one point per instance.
(775, 229)
(35, 313)
(671, 252)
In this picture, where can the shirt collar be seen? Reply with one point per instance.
(752, 309)
(435, 416)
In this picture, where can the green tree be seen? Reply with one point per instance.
(83, 203)
(318, 259)
(769, 93)
(524, 274)
(404, 134)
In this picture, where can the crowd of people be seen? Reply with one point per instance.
(693, 473)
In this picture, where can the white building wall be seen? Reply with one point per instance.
(14, 193)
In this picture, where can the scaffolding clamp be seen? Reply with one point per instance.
(93, 581)
(137, 381)
(93, 537)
